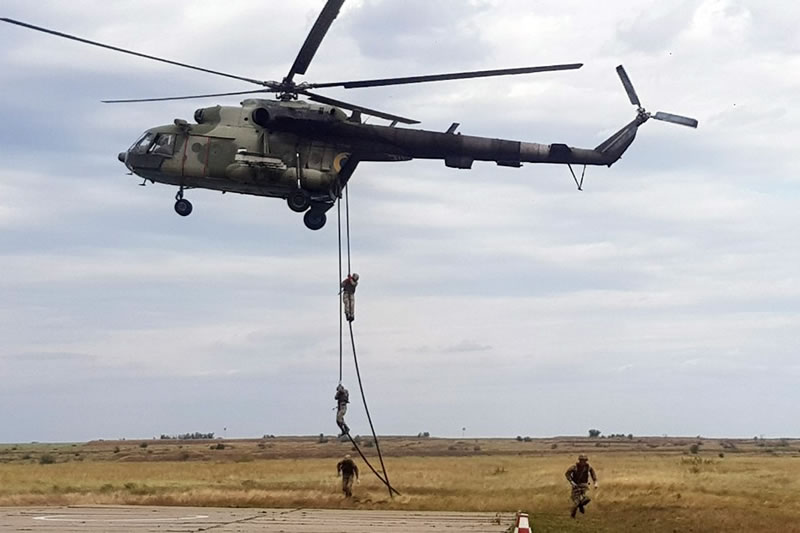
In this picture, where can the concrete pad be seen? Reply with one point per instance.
(119, 519)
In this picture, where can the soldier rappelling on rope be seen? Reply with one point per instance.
(348, 286)
(342, 399)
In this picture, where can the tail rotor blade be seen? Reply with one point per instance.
(676, 119)
(626, 82)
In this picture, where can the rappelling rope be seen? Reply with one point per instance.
(339, 218)
(366, 409)
(385, 477)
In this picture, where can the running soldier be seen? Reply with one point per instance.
(348, 286)
(578, 476)
(347, 469)
(342, 399)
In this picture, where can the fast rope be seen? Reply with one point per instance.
(385, 477)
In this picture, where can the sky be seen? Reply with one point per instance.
(661, 299)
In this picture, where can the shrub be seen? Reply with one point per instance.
(47, 459)
(217, 446)
(694, 448)
(553, 446)
(527, 439)
(594, 433)
(143, 445)
(322, 439)
(519, 438)
(116, 449)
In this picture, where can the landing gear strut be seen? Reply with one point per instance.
(182, 206)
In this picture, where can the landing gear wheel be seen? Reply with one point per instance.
(314, 219)
(183, 207)
(298, 200)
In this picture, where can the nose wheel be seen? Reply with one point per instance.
(182, 206)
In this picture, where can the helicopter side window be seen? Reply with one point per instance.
(164, 144)
(141, 146)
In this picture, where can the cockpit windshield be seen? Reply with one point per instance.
(154, 143)
(144, 142)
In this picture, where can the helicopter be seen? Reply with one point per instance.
(305, 151)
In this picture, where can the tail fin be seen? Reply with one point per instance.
(615, 146)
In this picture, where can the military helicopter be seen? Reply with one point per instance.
(306, 151)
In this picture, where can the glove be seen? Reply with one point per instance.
(358, 482)
(595, 484)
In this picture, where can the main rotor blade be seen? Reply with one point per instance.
(445, 77)
(314, 39)
(131, 52)
(676, 119)
(168, 98)
(353, 107)
(626, 82)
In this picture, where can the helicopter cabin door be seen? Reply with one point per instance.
(195, 156)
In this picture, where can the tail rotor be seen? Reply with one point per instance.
(644, 115)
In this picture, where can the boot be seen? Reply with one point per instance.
(572, 513)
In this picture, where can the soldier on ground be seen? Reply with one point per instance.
(342, 399)
(347, 469)
(348, 286)
(578, 476)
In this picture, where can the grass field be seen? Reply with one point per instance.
(649, 484)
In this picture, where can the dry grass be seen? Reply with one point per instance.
(649, 485)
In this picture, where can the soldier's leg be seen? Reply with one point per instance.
(340, 418)
(349, 305)
(347, 483)
(575, 496)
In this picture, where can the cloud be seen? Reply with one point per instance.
(670, 277)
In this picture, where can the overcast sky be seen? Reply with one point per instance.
(661, 299)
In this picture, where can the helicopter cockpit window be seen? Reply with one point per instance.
(164, 145)
(141, 146)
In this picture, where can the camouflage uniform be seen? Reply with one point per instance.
(349, 285)
(347, 469)
(578, 476)
(342, 399)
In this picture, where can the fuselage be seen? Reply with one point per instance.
(269, 148)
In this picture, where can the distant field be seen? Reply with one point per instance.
(648, 484)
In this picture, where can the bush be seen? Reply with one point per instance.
(47, 459)
(143, 445)
(594, 433)
(519, 438)
(218, 446)
(322, 439)
(423, 435)
(527, 439)
(694, 448)
(116, 449)
(553, 446)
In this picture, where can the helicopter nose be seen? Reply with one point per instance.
(121, 156)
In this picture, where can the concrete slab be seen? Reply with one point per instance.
(119, 519)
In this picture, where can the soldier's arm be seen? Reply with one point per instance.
(591, 473)
(569, 472)
(355, 469)
(338, 469)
